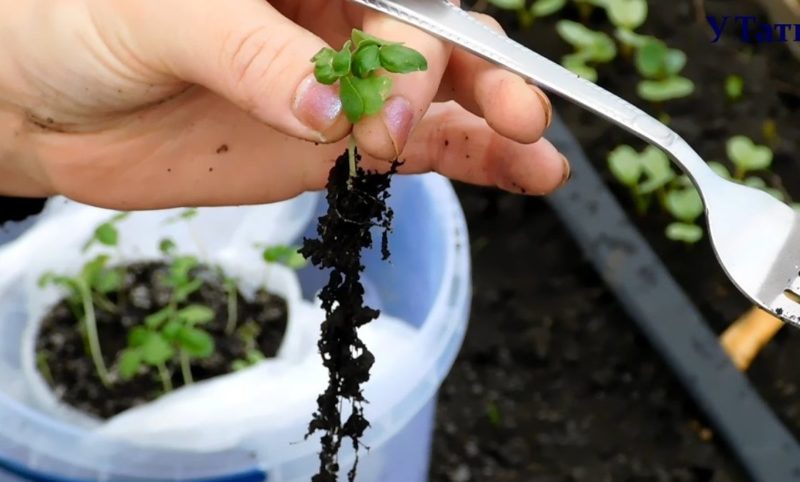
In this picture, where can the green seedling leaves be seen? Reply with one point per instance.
(137, 336)
(323, 66)
(106, 234)
(288, 256)
(130, 362)
(720, 169)
(684, 204)
(625, 165)
(508, 4)
(747, 156)
(576, 63)
(356, 67)
(361, 39)
(363, 97)
(185, 215)
(171, 329)
(180, 268)
(179, 278)
(252, 357)
(375, 91)
(183, 291)
(352, 99)
(664, 90)
(576, 34)
(156, 350)
(683, 232)
(657, 169)
(98, 277)
(399, 59)
(48, 279)
(342, 61)
(155, 320)
(660, 66)
(107, 281)
(366, 61)
(734, 87)
(196, 342)
(543, 8)
(629, 38)
(167, 247)
(627, 14)
(590, 46)
(654, 60)
(195, 314)
(595, 46)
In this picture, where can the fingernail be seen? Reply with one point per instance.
(567, 171)
(398, 116)
(318, 106)
(548, 107)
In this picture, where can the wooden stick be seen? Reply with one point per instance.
(748, 335)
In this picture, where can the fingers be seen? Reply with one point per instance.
(461, 146)
(513, 108)
(385, 135)
(247, 52)
(180, 157)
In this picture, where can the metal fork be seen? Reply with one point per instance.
(756, 238)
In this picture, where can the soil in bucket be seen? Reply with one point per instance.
(62, 355)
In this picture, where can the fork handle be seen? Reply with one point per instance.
(444, 20)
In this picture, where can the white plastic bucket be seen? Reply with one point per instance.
(426, 284)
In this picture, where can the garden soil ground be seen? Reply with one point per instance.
(553, 383)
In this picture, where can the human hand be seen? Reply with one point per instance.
(140, 104)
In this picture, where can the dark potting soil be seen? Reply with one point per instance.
(355, 206)
(71, 373)
(768, 113)
(554, 383)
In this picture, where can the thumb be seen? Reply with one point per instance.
(247, 52)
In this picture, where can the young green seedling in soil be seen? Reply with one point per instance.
(356, 204)
(591, 48)
(627, 16)
(107, 233)
(645, 174)
(660, 67)
(249, 333)
(747, 157)
(95, 281)
(173, 330)
(164, 334)
(232, 293)
(734, 87)
(685, 205)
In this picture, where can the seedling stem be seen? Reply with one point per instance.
(90, 322)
